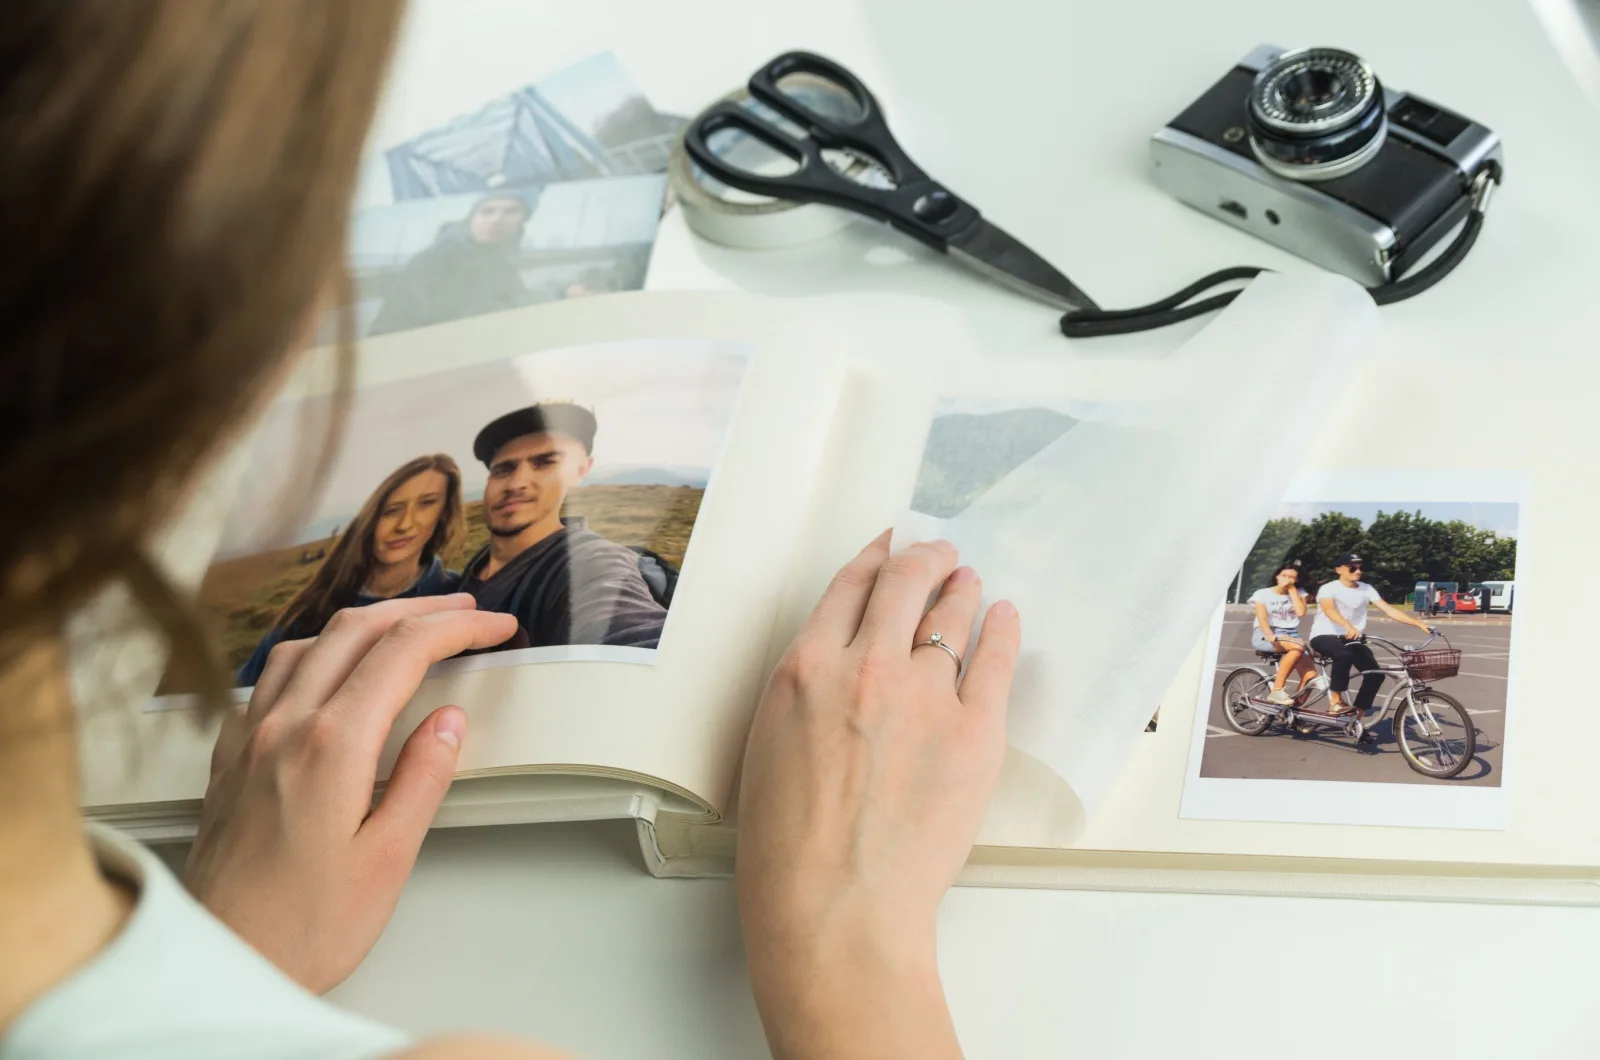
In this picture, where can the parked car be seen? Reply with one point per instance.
(1459, 603)
(1501, 595)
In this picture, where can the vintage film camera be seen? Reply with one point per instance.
(1307, 150)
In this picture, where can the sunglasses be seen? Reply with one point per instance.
(1354, 566)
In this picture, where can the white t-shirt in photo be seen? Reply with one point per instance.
(1352, 603)
(1280, 608)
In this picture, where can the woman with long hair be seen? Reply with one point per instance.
(392, 549)
(178, 176)
(1278, 611)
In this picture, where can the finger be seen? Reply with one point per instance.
(838, 614)
(994, 660)
(901, 594)
(383, 682)
(346, 640)
(418, 783)
(282, 660)
(231, 736)
(241, 721)
(951, 617)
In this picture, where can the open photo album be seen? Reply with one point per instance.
(1294, 620)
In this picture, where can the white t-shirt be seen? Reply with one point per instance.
(1352, 603)
(1280, 608)
(177, 985)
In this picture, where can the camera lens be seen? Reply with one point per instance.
(1316, 114)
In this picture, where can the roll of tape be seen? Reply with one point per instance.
(737, 219)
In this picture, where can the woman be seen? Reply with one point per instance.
(177, 181)
(390, 550)
(470, 268)
(1279, 608)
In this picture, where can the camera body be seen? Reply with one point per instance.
(1307, 150)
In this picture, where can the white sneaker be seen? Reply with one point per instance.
(1280, 697)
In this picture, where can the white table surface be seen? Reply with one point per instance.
(1039, 111)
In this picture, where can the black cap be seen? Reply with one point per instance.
(1349, 559)
(548, 417)
(528, 196)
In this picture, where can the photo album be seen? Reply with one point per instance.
(1292, 618)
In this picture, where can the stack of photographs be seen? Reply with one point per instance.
(551, 191)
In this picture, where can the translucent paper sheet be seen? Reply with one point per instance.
(1117, 540)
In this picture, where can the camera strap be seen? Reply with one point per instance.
(1094, 323)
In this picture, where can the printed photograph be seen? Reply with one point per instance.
(975, 441)
(1367, 642)
(551, 191)
(561, 487)
(583, 122)
(429, 261)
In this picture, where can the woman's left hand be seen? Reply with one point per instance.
(292, 855)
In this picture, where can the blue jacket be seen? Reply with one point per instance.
(436, 581)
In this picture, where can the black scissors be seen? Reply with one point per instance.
(903, 195)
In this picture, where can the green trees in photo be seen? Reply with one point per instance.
(1400, 549)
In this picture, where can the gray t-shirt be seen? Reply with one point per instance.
(1280, 608)
(1352, 603)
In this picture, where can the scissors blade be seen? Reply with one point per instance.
(988, 249)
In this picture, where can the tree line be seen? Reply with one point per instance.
(1400, 550)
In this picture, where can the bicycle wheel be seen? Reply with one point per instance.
(1241, 686)
(1435, 734)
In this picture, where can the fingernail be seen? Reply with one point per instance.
(1005, 609)
(963, 576)
(449, 726)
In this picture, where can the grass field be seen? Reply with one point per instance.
(245, 594)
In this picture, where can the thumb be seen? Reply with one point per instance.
(419, 780)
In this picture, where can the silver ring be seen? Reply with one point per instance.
(936, 640)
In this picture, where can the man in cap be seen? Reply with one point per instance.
(564, 583)
(471, 268)
(1340, 624)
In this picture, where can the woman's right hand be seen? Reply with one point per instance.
(865, 779)
(1352, 633)
(291, 854)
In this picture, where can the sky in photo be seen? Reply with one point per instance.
(662, 411)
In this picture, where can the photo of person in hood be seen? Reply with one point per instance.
(469, 269)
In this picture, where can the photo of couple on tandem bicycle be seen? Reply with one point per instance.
(1434, 732)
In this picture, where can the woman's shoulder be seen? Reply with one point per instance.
(213, 996)
(438, 580)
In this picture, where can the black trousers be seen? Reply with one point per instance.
(1345, 655)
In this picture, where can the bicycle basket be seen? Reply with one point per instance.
(1433, 664)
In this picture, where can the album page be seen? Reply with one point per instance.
(1450, 488)
(1451, 485)
(1067, 484)
(626, 475)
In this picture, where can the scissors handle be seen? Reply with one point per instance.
(917, 205)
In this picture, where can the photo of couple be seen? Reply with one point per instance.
(573, 515)
(1324, 639)
(1338, 631)
(1337, 691)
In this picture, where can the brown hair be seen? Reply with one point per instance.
(347, 568)
(175, 196)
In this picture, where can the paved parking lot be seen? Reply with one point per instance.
(1283, 754)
